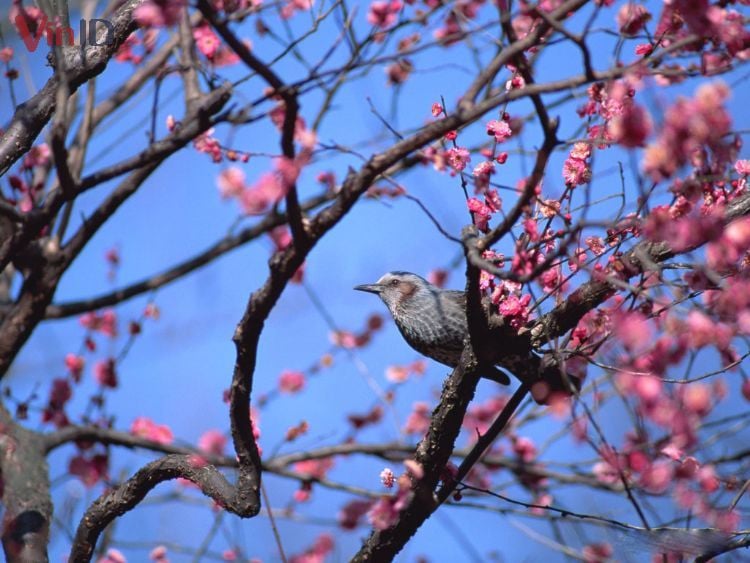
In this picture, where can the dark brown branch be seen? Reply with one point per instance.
(26, 492)
(129, 494)
(31, 116)
(484, 442)
(188, 61)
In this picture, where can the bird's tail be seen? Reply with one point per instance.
(496, 375)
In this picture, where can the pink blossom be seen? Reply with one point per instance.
(696, 398)
(38, 155)
(281, 237)
(6, 54)
(231, 182)
(690, 126)
(437, 277)
(482, 213)
(206, 41)
(418, 420)
(632, 329)
(315, 468)
(328, 179)
(596, 245)
(396, 374)
(515, 310)
(268, 190)
(293, 6)
(579, 429)
(648, 389)
(75, 365)
(727, 521)
(291, 381)
(479, 416)
(206, 143)
(344, 339)
(414, 468)
(106, 322)
(458, 158)
(707, 479)
(387, 478)
(597, 553)
(352, 512)
(399, 71)
(382, 514)
(484, 168)
(105, 374)
(632, 18)
(525, 449)
(152, 311)
(212, 442)
(436, 109)
(499, 129)
(682, 233)
(288, 171)
(746, 389)
(549, 207)
(728, 26)
(60, 393)
(701, 329)
(552, 279)
(644, 49)
(113, 556)
(632, 127)
(576, 172)
(383, 14)
(159, 554)
(515, 83)
(657, 477)
(316, 553)
(580, 151)
(147, 428)
(742, 167)
(688, 468)
(605, 472)
(158, 13)
(90, 470)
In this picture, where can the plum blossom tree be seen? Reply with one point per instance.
(576, 166)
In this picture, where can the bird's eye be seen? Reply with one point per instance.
(393, 283)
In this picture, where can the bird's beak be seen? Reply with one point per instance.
(370, 288)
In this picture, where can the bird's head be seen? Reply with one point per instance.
(397, 289)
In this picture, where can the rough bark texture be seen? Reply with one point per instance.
(26, 494)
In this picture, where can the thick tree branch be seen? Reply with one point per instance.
(129, 494)
(26, 492)
(31, 116)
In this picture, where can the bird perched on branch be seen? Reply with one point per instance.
(431, 320)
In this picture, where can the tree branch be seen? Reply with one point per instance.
(31, 116)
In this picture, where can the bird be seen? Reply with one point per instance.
(431, 320)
